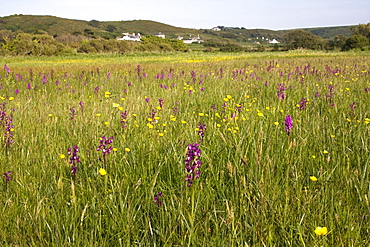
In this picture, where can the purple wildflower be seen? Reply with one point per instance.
(72, 113)
(331, 91)
(239, 107)
(124, 119)
(6, 68)
(74, 170)
(73, 152)
(201, 129)
(44, 79)
(157, 199)
(81, 105)
(353, 107)
(161, 102)
(96, 90)
(288, 124)
(302, 104)
(9, 128)
(105, 148)
(280, 91)
(7, 175)
(74, 159)
(192, 163)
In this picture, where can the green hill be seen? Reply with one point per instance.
(330, 32)
(59, 26)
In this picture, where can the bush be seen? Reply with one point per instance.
(356, 41)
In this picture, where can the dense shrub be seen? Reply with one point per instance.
(356, 41)
(34, 44)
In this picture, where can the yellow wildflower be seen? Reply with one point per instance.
(321, 231)
(102, 171)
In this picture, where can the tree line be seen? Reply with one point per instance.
(360, 39)
(302, 39)
(41, 43)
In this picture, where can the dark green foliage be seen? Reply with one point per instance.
(151, 42)
(106, 46)
(356, 41)
(94, 23)
(88, 32)
(302, 39)
(339, 41)
(362, 29)
(214, 43)
(37, 45)
(111, 28)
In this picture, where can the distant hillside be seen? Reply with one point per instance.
(330, 32)
(58, 26)
(50, 24)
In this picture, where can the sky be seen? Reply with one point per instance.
(203, 14)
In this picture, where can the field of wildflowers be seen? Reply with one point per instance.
(191, 150)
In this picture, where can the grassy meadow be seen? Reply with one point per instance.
(189, 149)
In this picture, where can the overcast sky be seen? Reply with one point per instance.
(268, 14)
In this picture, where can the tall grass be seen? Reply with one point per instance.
(257, 181)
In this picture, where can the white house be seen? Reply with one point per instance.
(130, 37)
(216, 29)
(161, 35)
(193, 40)
(274, 41)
